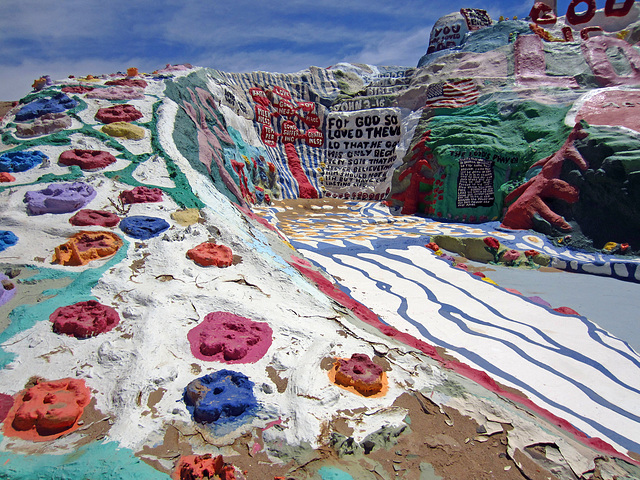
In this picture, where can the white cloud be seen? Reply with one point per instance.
(395, 48)
(86, 36)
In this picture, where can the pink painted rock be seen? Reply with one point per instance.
(141, 194)
(84, 319)
(209, 253)
(47, 410)
(78, 89)
(229, 338)
(6, 177)
(530, 66)
(86, 159)
(128, 82)
(44, 125)
(118, 113)
(117, 93)
(612, 107)
(6, 402)
(176, 68)
(87, 217)
(361, 373)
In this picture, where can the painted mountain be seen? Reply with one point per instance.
(258, 275)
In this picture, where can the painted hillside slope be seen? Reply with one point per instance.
(129, 349)
(151, 316)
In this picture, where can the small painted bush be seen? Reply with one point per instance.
(141, 194)
(142, 227)
(20, 161)
(226, 337)
(211, 254)
(118, 113)
(221, 396)
(87, 217)
(42, 106)
(361, 373)
(199, 467)
(84, 319)
(44, 125)
(86, 246)
(7, 239)
(59, 198)
(86, 159)
(47, 410)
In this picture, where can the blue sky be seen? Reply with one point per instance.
(80, 37)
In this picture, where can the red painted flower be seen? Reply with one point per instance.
(531, 253)
(432, 246)
(492, 242)
(624, 247)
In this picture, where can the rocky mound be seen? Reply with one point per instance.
(163, 317)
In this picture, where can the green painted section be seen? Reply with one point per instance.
(333, 473)
(185, 134)
(509, 136)
(96, 460)
(428, 473)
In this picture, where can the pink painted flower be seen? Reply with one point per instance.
(510, 255)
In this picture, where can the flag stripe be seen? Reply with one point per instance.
(454, 94)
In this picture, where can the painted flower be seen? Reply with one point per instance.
(624, 247)
(492, 242)
(447, 258)
(462, 266)
(531, 253)
(510, 255)
(432, 246)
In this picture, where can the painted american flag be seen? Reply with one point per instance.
(452, 94)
